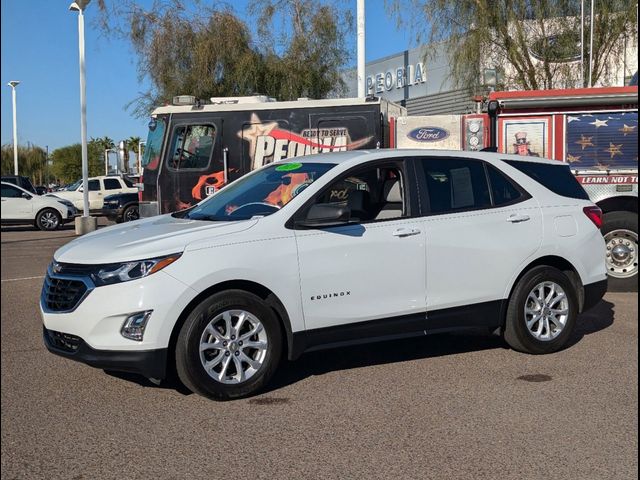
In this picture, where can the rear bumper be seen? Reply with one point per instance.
(149, 363)
(593, 293)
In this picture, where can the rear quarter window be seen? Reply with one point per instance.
(557, 178)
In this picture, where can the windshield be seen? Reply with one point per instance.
(258, 194)
(73, 187)
(153, 147)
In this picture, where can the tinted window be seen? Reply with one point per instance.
(111, 184)
(503, 190)
(455, 184)
(192, 146)
(557, 178)
(94, 185)
(10, 192)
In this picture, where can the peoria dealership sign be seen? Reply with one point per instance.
(398, 77)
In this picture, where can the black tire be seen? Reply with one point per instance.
(189, 366)
(516, 333)
(48, 219)
(130, 213)
(622, 225)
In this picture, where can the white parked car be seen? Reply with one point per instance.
(99, 187)
(20, 207)
(329, 250)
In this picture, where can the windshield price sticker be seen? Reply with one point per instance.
(288, 167)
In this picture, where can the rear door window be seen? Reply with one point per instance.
(557, 178)
(454, 184)
(504, 191)
(112, 184)
(94, 185)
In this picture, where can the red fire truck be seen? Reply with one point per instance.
(595, 130)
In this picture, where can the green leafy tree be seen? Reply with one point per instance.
(306, 58)
(67, 161)
(31, 162)
(186, 47)
(533, 43)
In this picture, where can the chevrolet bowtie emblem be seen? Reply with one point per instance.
(56, 267)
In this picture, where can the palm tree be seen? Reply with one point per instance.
(132, 144)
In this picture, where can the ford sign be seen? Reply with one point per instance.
(428, 134)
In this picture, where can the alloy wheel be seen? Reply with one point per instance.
(546, 311)
(233, 346)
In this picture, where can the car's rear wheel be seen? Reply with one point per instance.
(620, 230)
(229, 346)
(130, 213)
(48, 219)
(542, 311)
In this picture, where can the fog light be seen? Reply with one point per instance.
(134, 325)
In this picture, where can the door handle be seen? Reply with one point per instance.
(517, 218)
(406, 232)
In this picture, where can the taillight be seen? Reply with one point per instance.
(594, 214)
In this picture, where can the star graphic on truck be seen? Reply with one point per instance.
(599, 123)
(573, 158)
(627, 129)
(254, 130)
(614, 150)
(585, 142)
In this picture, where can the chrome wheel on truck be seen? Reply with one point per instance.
(620, 231)
(622, 253)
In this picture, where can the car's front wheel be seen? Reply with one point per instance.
(229, 346)
(542, 311)
(130, 213)
(48, 219)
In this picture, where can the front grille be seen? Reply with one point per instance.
(73, 268)
(63, 341)
(62, 295)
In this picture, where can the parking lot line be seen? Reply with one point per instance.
(23, 278)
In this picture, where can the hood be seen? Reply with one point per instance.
(147, 238)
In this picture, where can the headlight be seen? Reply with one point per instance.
(66, 203)
(126, 271)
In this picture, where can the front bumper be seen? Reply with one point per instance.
(96, 314)
(149, 363)
(111, 213)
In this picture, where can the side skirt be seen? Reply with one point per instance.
(486, 316)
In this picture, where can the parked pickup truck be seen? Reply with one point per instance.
(99, 187)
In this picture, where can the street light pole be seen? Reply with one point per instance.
(360, 47)
(13, 84)
(85, 223)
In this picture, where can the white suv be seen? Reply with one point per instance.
(329, 250)
(99, 187)
(20, 207)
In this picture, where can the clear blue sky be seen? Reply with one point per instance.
(40, 48)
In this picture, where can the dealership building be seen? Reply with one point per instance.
(420, 79)
(423, 86)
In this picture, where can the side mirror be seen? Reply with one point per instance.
(26, 195)
(323, 215)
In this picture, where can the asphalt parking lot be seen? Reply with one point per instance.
(438, 407)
